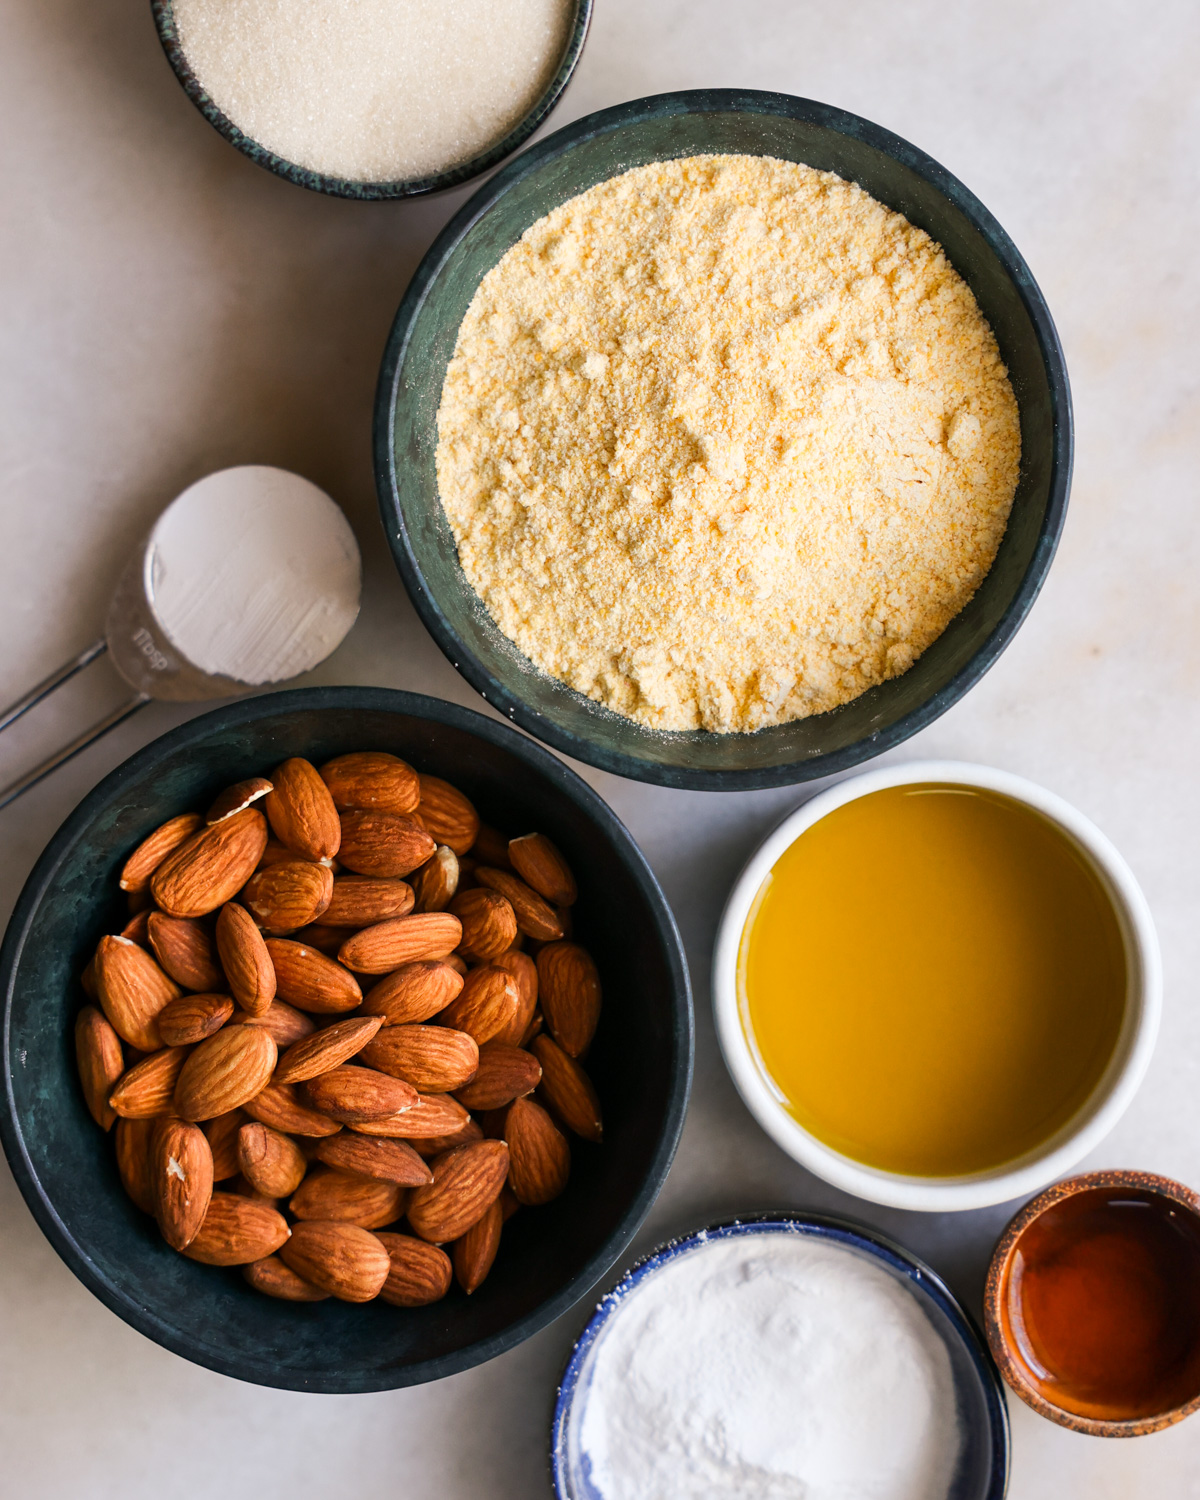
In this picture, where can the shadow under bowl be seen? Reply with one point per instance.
(640, 1061)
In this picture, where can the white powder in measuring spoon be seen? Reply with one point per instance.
(374, 90)
(770, 1367)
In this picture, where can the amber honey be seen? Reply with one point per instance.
(933, 979)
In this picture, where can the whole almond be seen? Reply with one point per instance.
(222, 1135)
(301, 811)
(274, 1279)
(150, 853)
(436, 882)
(489, 1004)
(540, 1155)
(434, 1059)
(490, 847)
(146, 1090)
(567, 1091)
(87, 980)
(132, 990)
(100, 1061)
(270, 1161)
(433, 1115)
(132, 1139)
(569, 989)
(236, 798)
(524, 971)
(237, 1230)
(211, 867)
(348, 1262)
(430, 1146)
(401, 940)
(351, 1094)
(185, 951)
(447, 814)
(137, 929)
(281, 1021)
(536, 918)
(318, 935)
(505, 1073)
(310, 981)
(344, 1199)
(419, 1273)
(543, 869)
(372, 779)
(475, 1251)
(279, 1107)
(413, 992)
(374, 1156)
(326, 1049)
(489, 924)
(225, 1072)
(181, 1168)
(509, 1202)
(466, 1182)
(245, 959)
(383, 843)
(191, 1018)
(533, 1029)
(363, 900)
(288, 895)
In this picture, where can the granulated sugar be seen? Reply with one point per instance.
(725, 442)
(374, 90)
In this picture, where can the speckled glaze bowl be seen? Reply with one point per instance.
(569, 162)
(641, 1059)
(344, 187)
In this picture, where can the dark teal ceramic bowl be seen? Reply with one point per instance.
(641, 1060)
(575, 159)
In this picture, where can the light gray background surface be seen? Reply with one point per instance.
(170, 309)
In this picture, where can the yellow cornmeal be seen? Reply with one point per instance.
(724, 442)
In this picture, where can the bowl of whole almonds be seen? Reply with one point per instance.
(348, 1039)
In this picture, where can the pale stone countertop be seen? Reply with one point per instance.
(171, 309)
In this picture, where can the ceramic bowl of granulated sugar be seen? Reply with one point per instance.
(370, 98)
(780, 1356)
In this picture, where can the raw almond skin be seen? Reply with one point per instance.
(447, 814)
(271, 1277)
(383, 843)
(419, 1274)
(181, 1174)
(270, 1161)
(225, 1072)
(432, 1115)
(146, 1090)
(185, 951)
(533, 1029)
(505, 1073)
(434, 1145)
(475, 1251)
(543, 869)
(132, 1138)
(536, 918)
(326, 1049)
(540, 1155)
(279, 1107)
(245, 959)
(436, 882)
(401, 940)
(321, 936)
(352, 1095)
(88, 980)
(508, 1201)
(288, 895)
(236, 798)
(347, 1262)
(150, 853)
(211, 867)
(374, 1156)
(237, 1230)
(490, 847)
(192, 1018)
(413, 992)
(281, 1021)
(310, 981)
(488, 1005)
(363, 900)
(222, 1135)
(466, 1182)
(458, 963)
(101, 1062)
(132, 990)
(569, 989)
(567, 1091)
(434, 1059)
(489, 924)
(344, 1199)
(524, 971)
(301, 811)
(372, 779)
(137, 929)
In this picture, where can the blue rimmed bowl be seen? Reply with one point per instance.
(982, 1472)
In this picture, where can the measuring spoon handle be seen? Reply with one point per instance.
(14, 789)
(47, 685)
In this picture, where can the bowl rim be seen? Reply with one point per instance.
(1010, 1364)
(1095, 1117)
(829, 1227)
(348, 187)
(532, 160)
(386, 700)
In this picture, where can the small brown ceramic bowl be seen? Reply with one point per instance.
(1092, 1303)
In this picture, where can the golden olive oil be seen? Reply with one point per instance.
(933, 979)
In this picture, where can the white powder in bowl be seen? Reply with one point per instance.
(374, 90)
(770, 1367)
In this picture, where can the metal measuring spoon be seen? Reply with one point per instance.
(251, 576)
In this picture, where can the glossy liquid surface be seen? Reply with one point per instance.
(933, 979)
